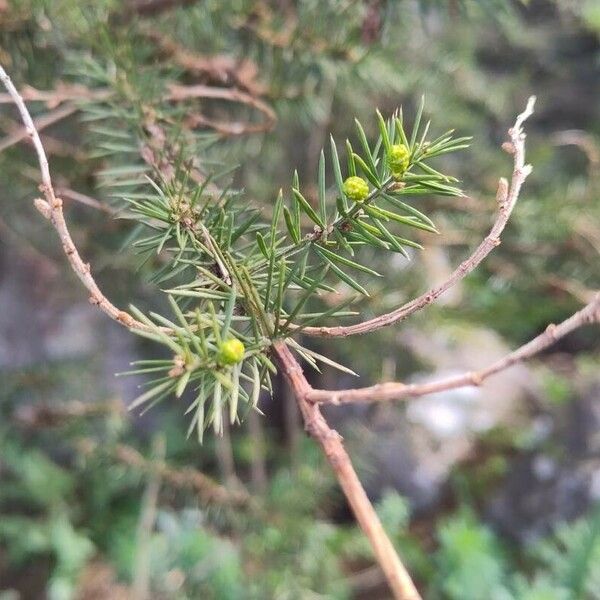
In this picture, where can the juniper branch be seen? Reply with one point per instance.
(506, 196)
(308, 398)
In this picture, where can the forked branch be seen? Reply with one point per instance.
(331, 442)
(396, 390)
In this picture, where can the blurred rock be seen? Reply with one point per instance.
(445, 425)
(414, 449)
(556, 483)
(44, 320)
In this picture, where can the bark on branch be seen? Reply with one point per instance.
(51, 206)
(331, 442)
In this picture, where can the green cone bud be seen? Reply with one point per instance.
(231, 352)
(398, 160)
(356, 188)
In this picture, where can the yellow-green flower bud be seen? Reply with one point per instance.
(398, 160)
(231, 352)
(356, 188)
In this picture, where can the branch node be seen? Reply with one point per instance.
(476, 378)
(502, 192)
(509, 147)
(43, 207)
(125, 318)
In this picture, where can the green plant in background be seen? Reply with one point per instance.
(290, 555)
(48, 490)
(470, 563)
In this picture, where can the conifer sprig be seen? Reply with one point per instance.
(371, 206)
(235, 281)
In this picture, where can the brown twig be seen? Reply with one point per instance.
(574, 288)
(175, 93)
(68, 193)
(506, 196)
(46, 415)
(264, 23)
(178, 93)
(583, 140)
(52, 209)
(331, 442)
(150, 8)
(63, 92)
(51, 415)
(222, 69)
(396, 390)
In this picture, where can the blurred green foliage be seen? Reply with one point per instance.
(56, 510)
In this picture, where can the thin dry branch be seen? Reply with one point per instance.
(179, 93)
(506, 197)
(221, 69)
(583, 140)
(63, 92)
(68, 193)
(175, 93)
(331, 442)
(52, 208)
(396, 390)
(51, 415)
